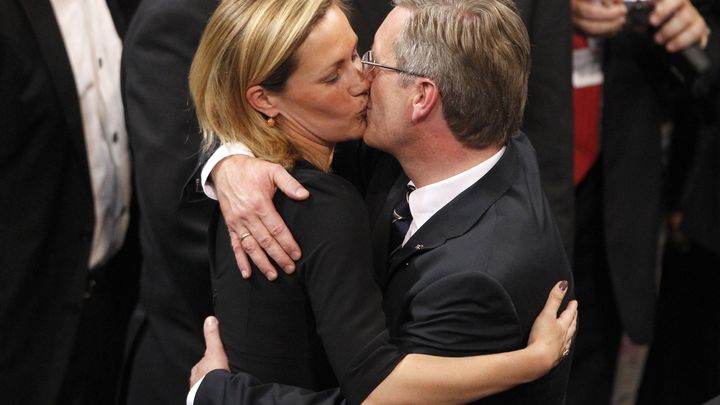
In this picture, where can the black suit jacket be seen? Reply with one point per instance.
(47, 214)
(473, 278)
(166, 332)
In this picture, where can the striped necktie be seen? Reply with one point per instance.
(401, 219)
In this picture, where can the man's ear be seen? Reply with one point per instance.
(425, 98)
(260, 100)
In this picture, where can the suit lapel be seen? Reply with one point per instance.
(50, 42)
(462, 213)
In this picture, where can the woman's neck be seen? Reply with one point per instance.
(313, 149)
(319, 155)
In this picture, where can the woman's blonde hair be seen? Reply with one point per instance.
(247, 43)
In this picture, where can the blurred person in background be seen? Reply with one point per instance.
(68, 263)
(165, 334)
(624, 88)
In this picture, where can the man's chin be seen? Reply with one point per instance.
(370, 139)
(368, 136)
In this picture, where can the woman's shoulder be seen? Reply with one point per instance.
(328, 188)
(333, 212)
(330, 224)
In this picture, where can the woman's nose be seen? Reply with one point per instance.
(362, 84)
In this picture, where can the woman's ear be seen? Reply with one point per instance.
(260, 100)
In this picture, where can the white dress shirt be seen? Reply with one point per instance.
(428, 200)
(94, 50)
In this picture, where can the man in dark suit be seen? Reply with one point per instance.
(64, 301)
(547, 119)
(479, 248)
(165, 333)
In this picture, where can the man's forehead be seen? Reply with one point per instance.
(390, 29)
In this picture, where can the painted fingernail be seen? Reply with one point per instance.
(563, 285)
(295, 255)
(245, 273)
(272, 276)
(289, 268)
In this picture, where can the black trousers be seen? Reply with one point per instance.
(92, 376)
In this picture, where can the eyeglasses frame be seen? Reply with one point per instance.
(368, 60)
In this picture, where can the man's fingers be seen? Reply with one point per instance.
(598, 28)
(213, 344)
(598, 12)
(288, 185)
(598, 19)
(268, 246)
(270, 234)
(679, 37)
(678, 22)
(245, 190)
(555, 298)
(662, 10)
(287, 249)
(240, 256)
(257, 255)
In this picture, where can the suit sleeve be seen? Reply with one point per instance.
(461, 314)
(220, 387)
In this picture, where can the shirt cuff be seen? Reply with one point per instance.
(191, 395)
(225, 150)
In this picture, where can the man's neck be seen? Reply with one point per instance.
(431, 163)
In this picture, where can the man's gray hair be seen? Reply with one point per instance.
(478, 54)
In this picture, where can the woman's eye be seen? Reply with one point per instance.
(333, 79)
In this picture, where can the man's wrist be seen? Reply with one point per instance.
(223, 151)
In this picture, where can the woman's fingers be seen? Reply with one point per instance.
(554, 300)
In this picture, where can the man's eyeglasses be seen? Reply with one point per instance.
(369, 65)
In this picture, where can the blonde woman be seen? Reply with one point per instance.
(284, 78)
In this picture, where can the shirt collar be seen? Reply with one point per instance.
(428, 200)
